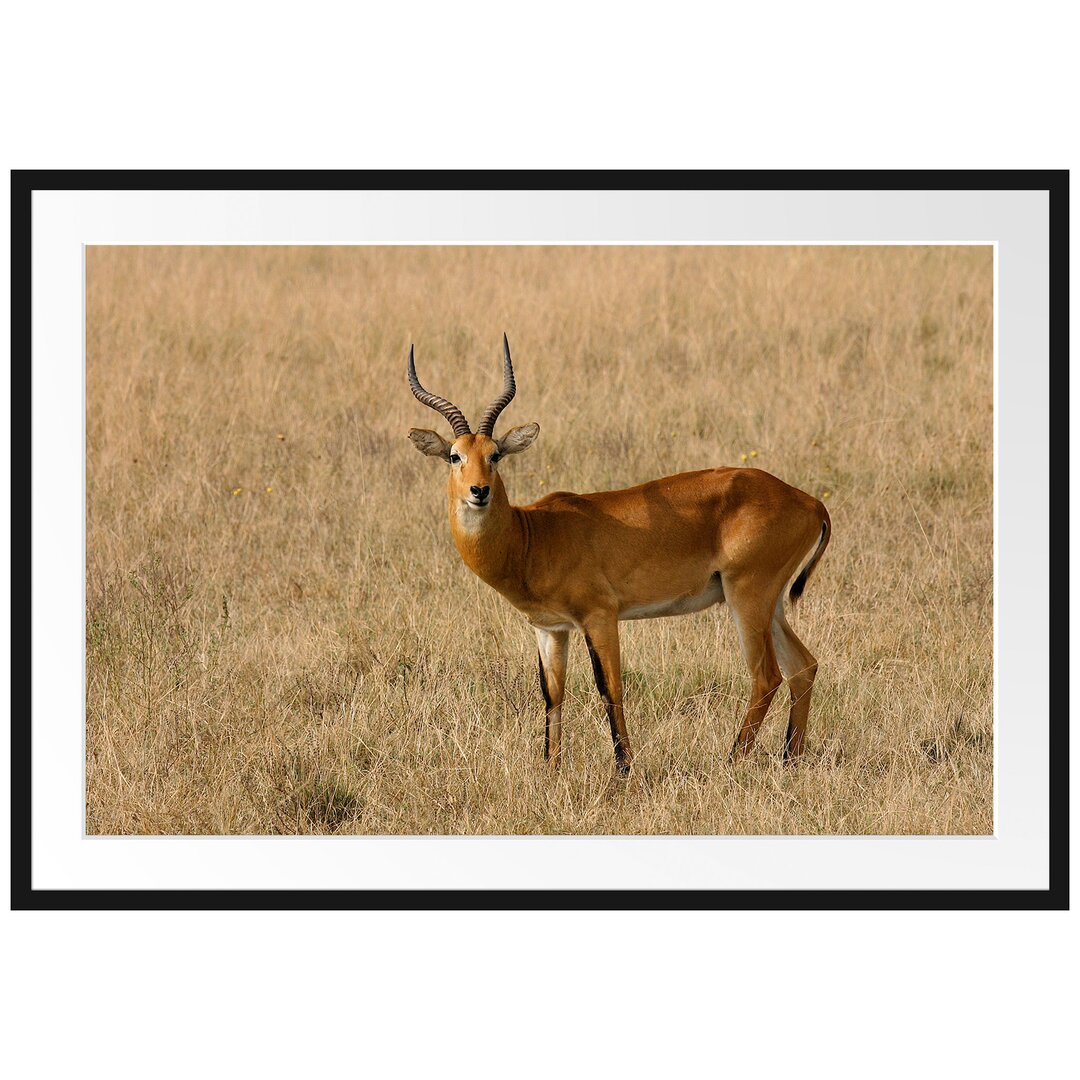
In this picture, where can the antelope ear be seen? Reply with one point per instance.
(518, 439)
(430, 443)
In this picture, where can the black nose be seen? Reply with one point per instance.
(480, 493)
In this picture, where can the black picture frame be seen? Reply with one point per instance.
(24, 183)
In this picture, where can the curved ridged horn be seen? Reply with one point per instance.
(433, 401)
(487, 425)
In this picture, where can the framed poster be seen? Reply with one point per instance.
(270, 667)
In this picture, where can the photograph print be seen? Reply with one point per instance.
(698, 540)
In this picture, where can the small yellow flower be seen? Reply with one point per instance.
(825, 494)
(236, 491)
(542, 483)
(742, 457)
(268, 490)
(753, 453)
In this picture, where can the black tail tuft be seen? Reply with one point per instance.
(800, 582)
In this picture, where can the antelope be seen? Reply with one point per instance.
(669, 547)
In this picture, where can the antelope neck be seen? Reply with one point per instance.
(490, 541)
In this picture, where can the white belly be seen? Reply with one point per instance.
(713, 593)
(548, 620)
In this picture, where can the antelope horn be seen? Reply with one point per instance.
(440, 405)
(487, 425)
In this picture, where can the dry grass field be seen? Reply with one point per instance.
(275, 606)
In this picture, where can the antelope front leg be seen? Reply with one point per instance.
(602, 640)
(553, 646)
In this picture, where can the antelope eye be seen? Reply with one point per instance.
(455, 459)
(495, 458)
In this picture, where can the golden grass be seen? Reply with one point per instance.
(282, 638)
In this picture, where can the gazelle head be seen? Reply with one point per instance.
(473, 458)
